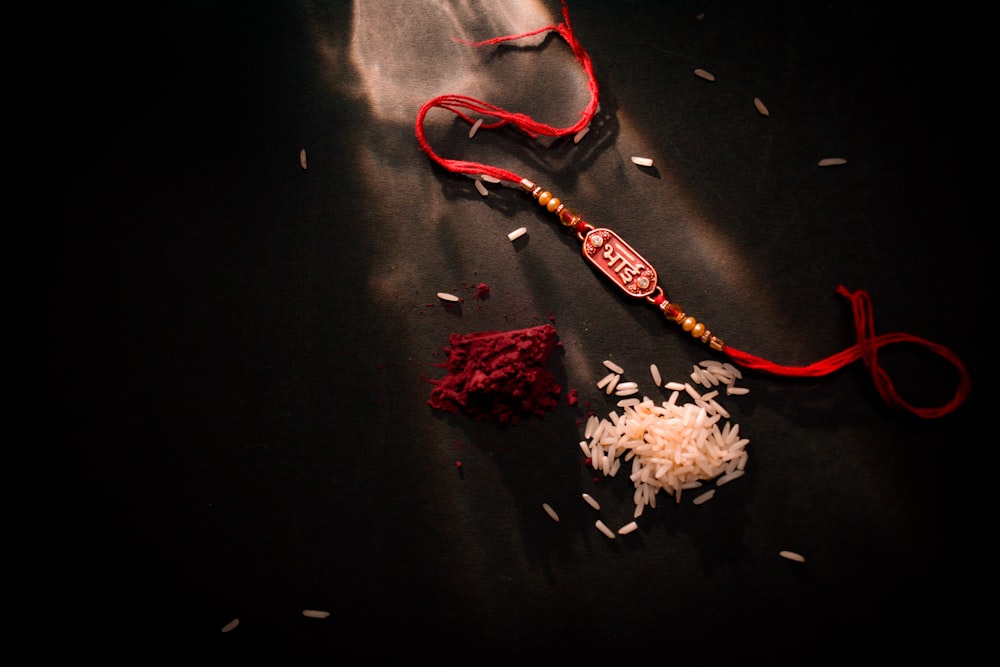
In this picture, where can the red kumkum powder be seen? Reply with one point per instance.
(498, 375)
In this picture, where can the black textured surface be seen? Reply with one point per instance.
(243, 347)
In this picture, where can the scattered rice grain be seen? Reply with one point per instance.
(642, 161)
(613, 366)
(475, 128)
(591, 501)
(737, 391)
(601, 526)
(729, 476)
(760, 107)
(315, 613)
(675, 386)
(489, 179)
(581, 134)
(517, 233)
(445, 296)
(655, 372)
(302, 158)
(692, 392)
(832, 161)
(707, 76)
(603, 382)
(551, 512)
(791, 555)
(231, 625)
(704, 497)
(628, 528)
(482, 188)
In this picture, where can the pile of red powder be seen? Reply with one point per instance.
(498, 375)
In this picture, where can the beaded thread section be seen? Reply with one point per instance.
(621, 264)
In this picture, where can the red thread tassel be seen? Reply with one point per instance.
(867, 348)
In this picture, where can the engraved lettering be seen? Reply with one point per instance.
(619, 262)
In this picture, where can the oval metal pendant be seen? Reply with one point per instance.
(619, 262)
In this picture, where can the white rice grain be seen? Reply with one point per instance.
(302, 159)
(654, 371)
(675, 386)
(791, 555)
(737, 391)
(642, 161)
(613, 366)
(315, 613)
(601, 526)
(581, 134)
(626, 388)
(831, 161)
(707, 76)
(475, 128)
(730, 476)
(489, 179)
(761, 109)
(591, 501)
(704, 497)
(628, 528)
(231, 625)
(603, 382)
(445, 296)
(551, 512)
(517, 233)
(482, 188)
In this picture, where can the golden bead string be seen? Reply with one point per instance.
(672, 311)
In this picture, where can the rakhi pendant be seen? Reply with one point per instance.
(620, 263)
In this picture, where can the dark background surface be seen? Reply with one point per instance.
(244, 347)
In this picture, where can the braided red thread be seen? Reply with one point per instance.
(463, 105)
(866, 348)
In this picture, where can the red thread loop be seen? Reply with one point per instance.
(866, 349)
(868, 343)
(463, 105)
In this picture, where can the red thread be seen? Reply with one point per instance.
(868, 343)
(463, 106)
(866, 349)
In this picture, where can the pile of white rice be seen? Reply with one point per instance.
(674, 445)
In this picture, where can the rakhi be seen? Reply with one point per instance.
(624, 266)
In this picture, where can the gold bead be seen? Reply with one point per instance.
(544, 198)
(716, 344)
(568, 217)
(553, 204)
(698, 330)
(688, 323)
